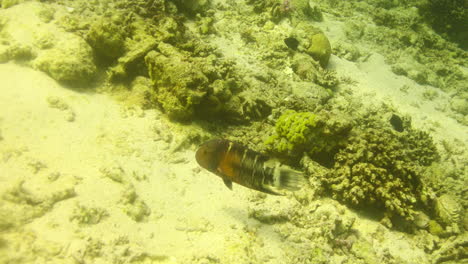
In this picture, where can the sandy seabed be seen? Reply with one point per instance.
(86, 179)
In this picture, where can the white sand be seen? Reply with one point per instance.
(63, 150)
(100, 138)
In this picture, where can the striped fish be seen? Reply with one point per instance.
(236, 163)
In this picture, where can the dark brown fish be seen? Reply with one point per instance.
(236, 163)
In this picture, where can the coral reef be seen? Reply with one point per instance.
(380, 168)
(107, 37)
(205, 86)
(297, 133)
(399, 32)
(181, 81)
(448, 17)
(192, 6)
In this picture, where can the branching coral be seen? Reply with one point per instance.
(382, 168)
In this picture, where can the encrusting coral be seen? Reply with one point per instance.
(372, 165)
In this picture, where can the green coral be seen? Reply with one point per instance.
(297, 133)
(293, 132)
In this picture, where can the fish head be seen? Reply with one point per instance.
(209, 154)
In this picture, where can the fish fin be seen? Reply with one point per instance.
(271, 190)
(288, 179)
(228, 183)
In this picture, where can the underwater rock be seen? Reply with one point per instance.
(71, 61)
(204, 85)
(85, 215)
(132, 62)
(448, 17)
(305, 67)
(347, 51)
(17, 52)
(313, 11)
(107, 38)
(133, 206)
(452, 251)
(180, 83)
(4, 53)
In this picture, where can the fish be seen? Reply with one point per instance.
(235, 163)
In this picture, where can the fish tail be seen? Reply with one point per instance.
(288, 179)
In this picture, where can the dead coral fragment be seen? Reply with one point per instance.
(198, 81)
(179, 82)
(107, 38)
